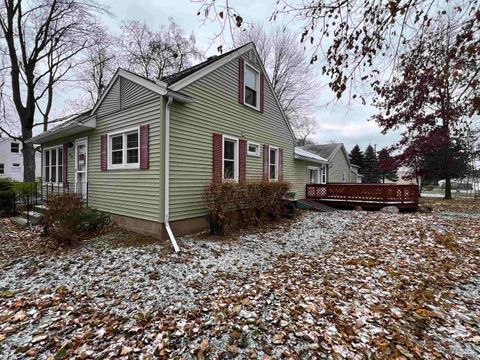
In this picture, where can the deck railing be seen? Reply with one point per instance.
(368, 193)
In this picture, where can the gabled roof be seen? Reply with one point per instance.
(72, 124)
(302, 154)
(173, 78)
(327, 151)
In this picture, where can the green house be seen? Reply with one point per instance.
(146, 150)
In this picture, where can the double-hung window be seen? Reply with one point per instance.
(273, 164)
(2, 169)
(124, 150)
(313, 175)
(252, 86)
(230, 158)
(15, 147)
(53, 165)
(324, 175)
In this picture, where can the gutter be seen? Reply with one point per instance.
(167, 176)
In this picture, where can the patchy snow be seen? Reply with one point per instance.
(344, 284)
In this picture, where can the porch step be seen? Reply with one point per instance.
(313, 205)
(20, 221)
(40, 208)
(33, 215)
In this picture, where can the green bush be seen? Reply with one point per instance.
(7, 197)
(232, 205)
(68, 220)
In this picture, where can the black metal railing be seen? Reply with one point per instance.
(36, 194)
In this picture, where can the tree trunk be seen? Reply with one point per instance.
(28, 154)
(448, 189)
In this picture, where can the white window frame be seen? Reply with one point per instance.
(314, 168)
(2, 167)
(50, 149)
(16, 165)
(81, 141)
(124, 164)
(323, 175)
(235, 157)
(257, 151)
(270, 148)
(257, 85)
(15, 152)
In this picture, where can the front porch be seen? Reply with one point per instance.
(368, 196)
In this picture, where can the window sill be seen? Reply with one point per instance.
(251, 107)
(124, 167)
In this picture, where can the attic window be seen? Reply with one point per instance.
(252, 86)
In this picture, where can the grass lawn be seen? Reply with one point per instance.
(343, 285)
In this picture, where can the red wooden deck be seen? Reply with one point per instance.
(365, 195)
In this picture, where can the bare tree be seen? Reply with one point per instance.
(304, 127)
(356, 41)
(99, 66)
(156, 54)
(293, 79)
(41, 41)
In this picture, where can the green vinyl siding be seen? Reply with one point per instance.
(338, 167)
(130, 192)
(215, 109)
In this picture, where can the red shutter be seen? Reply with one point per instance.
(242, 160)
(262, 92)
(144, 156)
(217, 157)
(266, 157)
(241, 87)
(65, 164)
(280, 164)
(103, 153)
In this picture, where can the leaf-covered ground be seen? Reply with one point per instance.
(339, 285)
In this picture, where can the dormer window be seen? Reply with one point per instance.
(252, 87)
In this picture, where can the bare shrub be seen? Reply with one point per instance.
(68, 220)
(232, 205)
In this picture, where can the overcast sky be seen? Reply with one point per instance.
(344, 121)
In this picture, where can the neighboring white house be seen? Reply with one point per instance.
(11, 160)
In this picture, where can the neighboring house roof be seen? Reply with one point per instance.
(327, 151)
(302, 154)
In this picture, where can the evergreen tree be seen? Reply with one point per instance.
(387, 166)
(357, 158)
(371, 173)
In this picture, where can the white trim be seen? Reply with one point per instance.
(313, 168)
(124, 164)
(209, 68)
(257, 152)
(81, 141)
(235, 157)
(270, 148)
(157, 87)
(323, 171)
(167, 176)
(44, 150)
(257, 90)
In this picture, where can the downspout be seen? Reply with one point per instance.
(167, 175)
